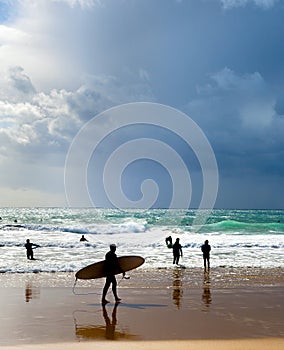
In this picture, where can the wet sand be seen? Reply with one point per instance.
(176, 307)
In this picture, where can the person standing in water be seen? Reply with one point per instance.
(83, 239)
(205, 248)
(177, 251)
(111, 266)
(29, 247)
(169, 242)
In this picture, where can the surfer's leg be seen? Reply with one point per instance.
(106, 287)
(29, 254)
(114, 289)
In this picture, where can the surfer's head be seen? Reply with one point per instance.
(113, 247)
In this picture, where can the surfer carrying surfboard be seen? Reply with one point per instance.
(111, 265)
(29, 247)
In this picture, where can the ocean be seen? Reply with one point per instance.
(238, 238)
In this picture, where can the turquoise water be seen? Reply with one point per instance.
(237, 237)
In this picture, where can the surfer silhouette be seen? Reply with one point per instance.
(206, 253)
(83, 239)
(111, 264)
(177, 251)
(29, 247)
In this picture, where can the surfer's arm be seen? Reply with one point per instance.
(123, 272)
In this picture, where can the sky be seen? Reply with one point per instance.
(218, 62)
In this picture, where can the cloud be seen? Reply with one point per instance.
(248, 94)
(85, 4)
(241, 94)
(238, 113)
(52, 81)
(15, 85)
(265, 4)
(64, 61)
(47, 121)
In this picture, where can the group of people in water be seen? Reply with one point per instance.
(177, 251)
(112, 264)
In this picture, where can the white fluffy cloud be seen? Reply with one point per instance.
(47, 121)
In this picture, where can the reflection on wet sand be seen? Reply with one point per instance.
(110, 324)
(107, 331)
(177, 287)
(206, 296)
(31, 292)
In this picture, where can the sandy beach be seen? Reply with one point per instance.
(161, 308)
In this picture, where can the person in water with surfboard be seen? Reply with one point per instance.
(29, 247)
(111, 265)
(169, 242)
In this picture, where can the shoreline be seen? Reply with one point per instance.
(159, 306)
(218, 277)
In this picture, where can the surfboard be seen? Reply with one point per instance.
(97, 270)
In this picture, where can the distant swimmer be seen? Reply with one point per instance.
(29, 247)
(111, 264)
(83, 239)
(206, 253)
(169, 242)
(177, 251)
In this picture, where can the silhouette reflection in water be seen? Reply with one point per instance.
(206, 296)
(108, 331)
(110, 324)
(31, 292)
(177, 287)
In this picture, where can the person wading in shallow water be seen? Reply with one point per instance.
(177, 251)
(29, 247)
(169, 242)
(206, 254)
(111, 267)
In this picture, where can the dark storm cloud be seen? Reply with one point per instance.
(220, 61)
